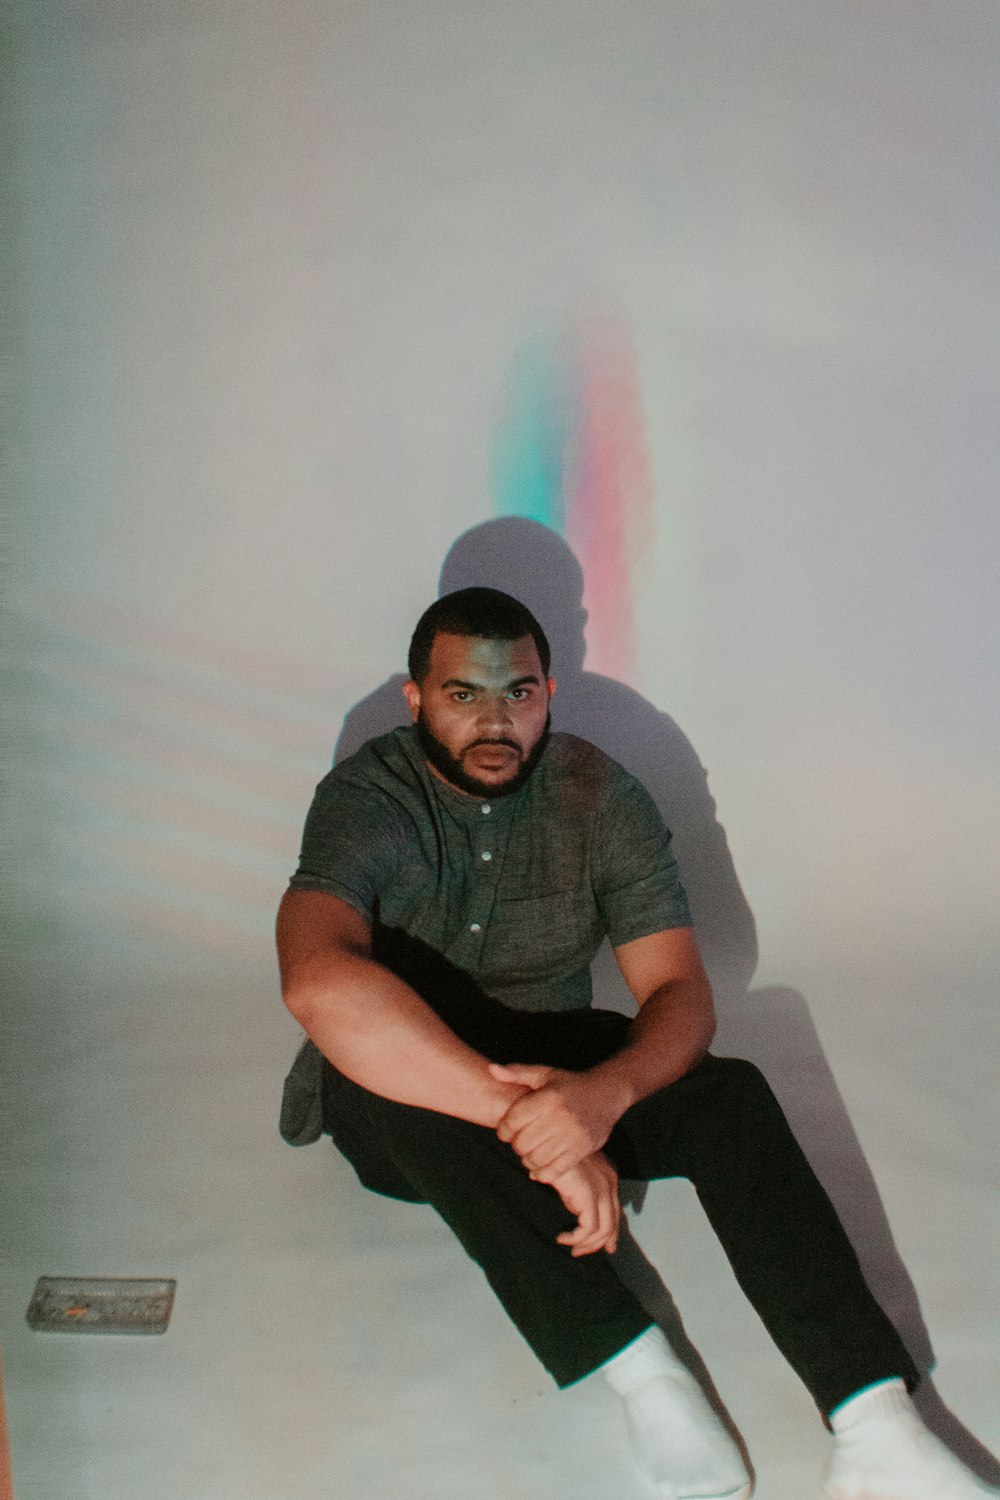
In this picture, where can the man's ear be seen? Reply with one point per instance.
(550, 683)
(411, 693)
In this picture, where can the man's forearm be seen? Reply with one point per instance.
(570, 1115)
(383, 1036)
(671, 1033)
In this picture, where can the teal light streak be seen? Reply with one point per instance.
(531, 442)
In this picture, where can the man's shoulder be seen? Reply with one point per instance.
(392, 750)
(571, 761)
(364, 811)
(571, 755)
(387, 766)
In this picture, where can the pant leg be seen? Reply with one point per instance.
(574, 1313)
(722, 1128)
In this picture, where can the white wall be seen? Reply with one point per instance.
(274, 271)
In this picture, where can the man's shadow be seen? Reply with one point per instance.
(771, 1027)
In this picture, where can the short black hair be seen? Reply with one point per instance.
(485, 613)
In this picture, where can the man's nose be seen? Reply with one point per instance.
(496, 713)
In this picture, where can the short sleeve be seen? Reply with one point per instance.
(637, 885)
(348, 844)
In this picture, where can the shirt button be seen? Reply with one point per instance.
(475, 927)
(487, 854)
(486, 808)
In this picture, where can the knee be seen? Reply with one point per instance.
(744, 1085)
(740, 1072)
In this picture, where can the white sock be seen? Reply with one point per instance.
(883, 1451)
(679, 1442)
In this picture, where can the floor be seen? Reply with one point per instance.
(328, 1343)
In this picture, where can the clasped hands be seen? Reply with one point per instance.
(557, 1129)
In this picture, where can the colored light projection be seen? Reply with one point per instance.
(571, 453)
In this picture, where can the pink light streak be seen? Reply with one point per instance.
(609, 497)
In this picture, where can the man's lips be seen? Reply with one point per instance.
(491, 755)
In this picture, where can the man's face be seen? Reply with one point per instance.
(482, 712)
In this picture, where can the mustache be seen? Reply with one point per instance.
(509, 744)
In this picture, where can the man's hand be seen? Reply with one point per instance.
(590, 1191)
(565, 1119)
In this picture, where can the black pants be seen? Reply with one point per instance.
(720, 1127)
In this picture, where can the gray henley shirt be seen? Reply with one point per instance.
(517, 891)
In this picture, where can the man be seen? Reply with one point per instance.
(455, 882)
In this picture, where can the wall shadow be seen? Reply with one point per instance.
(771, 1027)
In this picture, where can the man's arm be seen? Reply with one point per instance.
(369, 1024)
(380, 1033)
(676, 1020)
(570, 1115)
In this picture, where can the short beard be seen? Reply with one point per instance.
(451, 768)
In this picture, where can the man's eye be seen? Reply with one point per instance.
(519, 694)
(462, 696)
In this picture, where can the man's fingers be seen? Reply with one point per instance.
(585, 1244)
(540, 1141)
(539, 1144)
(522, 1115)
(551, 1171)
(590, 1192)
(596, 1230)
(530, 1137)
(598, 1240)
(533, 1075)
(610, 1211)
(605, 1217)
(586, 1228)
(530, 1109)
(612, 1221)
